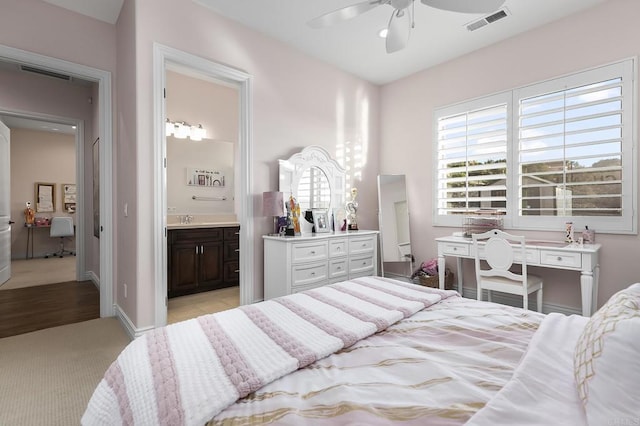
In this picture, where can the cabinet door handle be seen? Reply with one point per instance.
(201, 249)
(237, 271)
(237, 250)
(196, 249)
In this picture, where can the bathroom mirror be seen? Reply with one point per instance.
(315, 179)
(393, 222)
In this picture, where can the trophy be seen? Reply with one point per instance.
(352, 210)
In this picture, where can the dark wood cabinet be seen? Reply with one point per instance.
(202, 259)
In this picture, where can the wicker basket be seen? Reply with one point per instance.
(434, 281)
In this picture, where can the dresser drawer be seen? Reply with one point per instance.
(338, 270)
(561, 259)
(361, 245)
(338, 247)
(309, 252)
(455, 249)
(360, 266)
(304, 275)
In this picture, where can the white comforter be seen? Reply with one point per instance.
(187, 372)
(542, 390)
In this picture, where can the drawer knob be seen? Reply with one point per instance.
(339, 268)
(559, 259)
(237, 271)
(455, 249)
(364, 263)
(237, 250)
(313, 274)
(313, 252)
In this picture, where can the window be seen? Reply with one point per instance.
(568, 154)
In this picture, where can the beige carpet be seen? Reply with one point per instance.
(47, 377)
(40, 271)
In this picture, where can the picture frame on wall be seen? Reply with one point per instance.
(45, 197)
(321, 220)
(69, 197)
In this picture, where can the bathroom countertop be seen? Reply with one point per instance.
(196, 225)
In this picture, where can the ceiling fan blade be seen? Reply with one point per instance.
(465, 6)
(398, 31)
(344, 14)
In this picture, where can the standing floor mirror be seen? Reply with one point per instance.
(393, 221)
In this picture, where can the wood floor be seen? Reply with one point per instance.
(23, 310)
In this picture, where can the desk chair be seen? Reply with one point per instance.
(61, 227)
(499, 253)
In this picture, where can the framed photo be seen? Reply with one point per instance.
(321, 220)
(69, 197)
(45, 197)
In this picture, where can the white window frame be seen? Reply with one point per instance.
(625, 224)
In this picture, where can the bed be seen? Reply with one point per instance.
(375, 351)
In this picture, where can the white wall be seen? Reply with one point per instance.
(600, 35)
(38, 157)
(297, 101)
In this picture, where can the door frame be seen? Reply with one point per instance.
(162, 57)
(105, 132)
(80, 223)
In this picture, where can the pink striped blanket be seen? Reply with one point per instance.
(186, 373)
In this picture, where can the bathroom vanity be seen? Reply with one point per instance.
(202, 256)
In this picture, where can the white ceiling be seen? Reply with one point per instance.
(354, 46)
(104, 10)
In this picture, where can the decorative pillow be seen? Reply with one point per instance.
(607, 361)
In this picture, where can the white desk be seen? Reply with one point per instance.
(546, 254)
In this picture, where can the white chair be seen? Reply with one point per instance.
(500, 253)
(61, 227)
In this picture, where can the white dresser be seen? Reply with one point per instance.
(293, 264)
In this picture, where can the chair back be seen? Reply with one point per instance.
(500, 251)
(61, 227)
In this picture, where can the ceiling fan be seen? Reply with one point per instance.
(401, 20)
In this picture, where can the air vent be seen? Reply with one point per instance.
(502, 13)
(47, 73)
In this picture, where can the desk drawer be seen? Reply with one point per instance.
(304, 275)
(455, 249)
(561, 259)
(308, 252)
(533, 255)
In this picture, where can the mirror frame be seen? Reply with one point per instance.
(381, 202)
(292, 169)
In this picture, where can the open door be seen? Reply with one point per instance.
(5, 212)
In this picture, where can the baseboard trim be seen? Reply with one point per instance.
(128, 325)
(516, 301)
(91, 276)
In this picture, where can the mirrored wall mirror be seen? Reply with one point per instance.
(315, 179)
(393, 222)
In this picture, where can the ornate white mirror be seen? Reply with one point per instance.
(393, 222)
(315, 179)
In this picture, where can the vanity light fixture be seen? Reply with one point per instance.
(182, 130)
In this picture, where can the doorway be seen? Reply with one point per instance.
(56, 144)
(103, 130)
(164, 58)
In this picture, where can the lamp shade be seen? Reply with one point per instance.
(272, 203)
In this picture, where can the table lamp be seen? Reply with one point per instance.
(273, 205)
